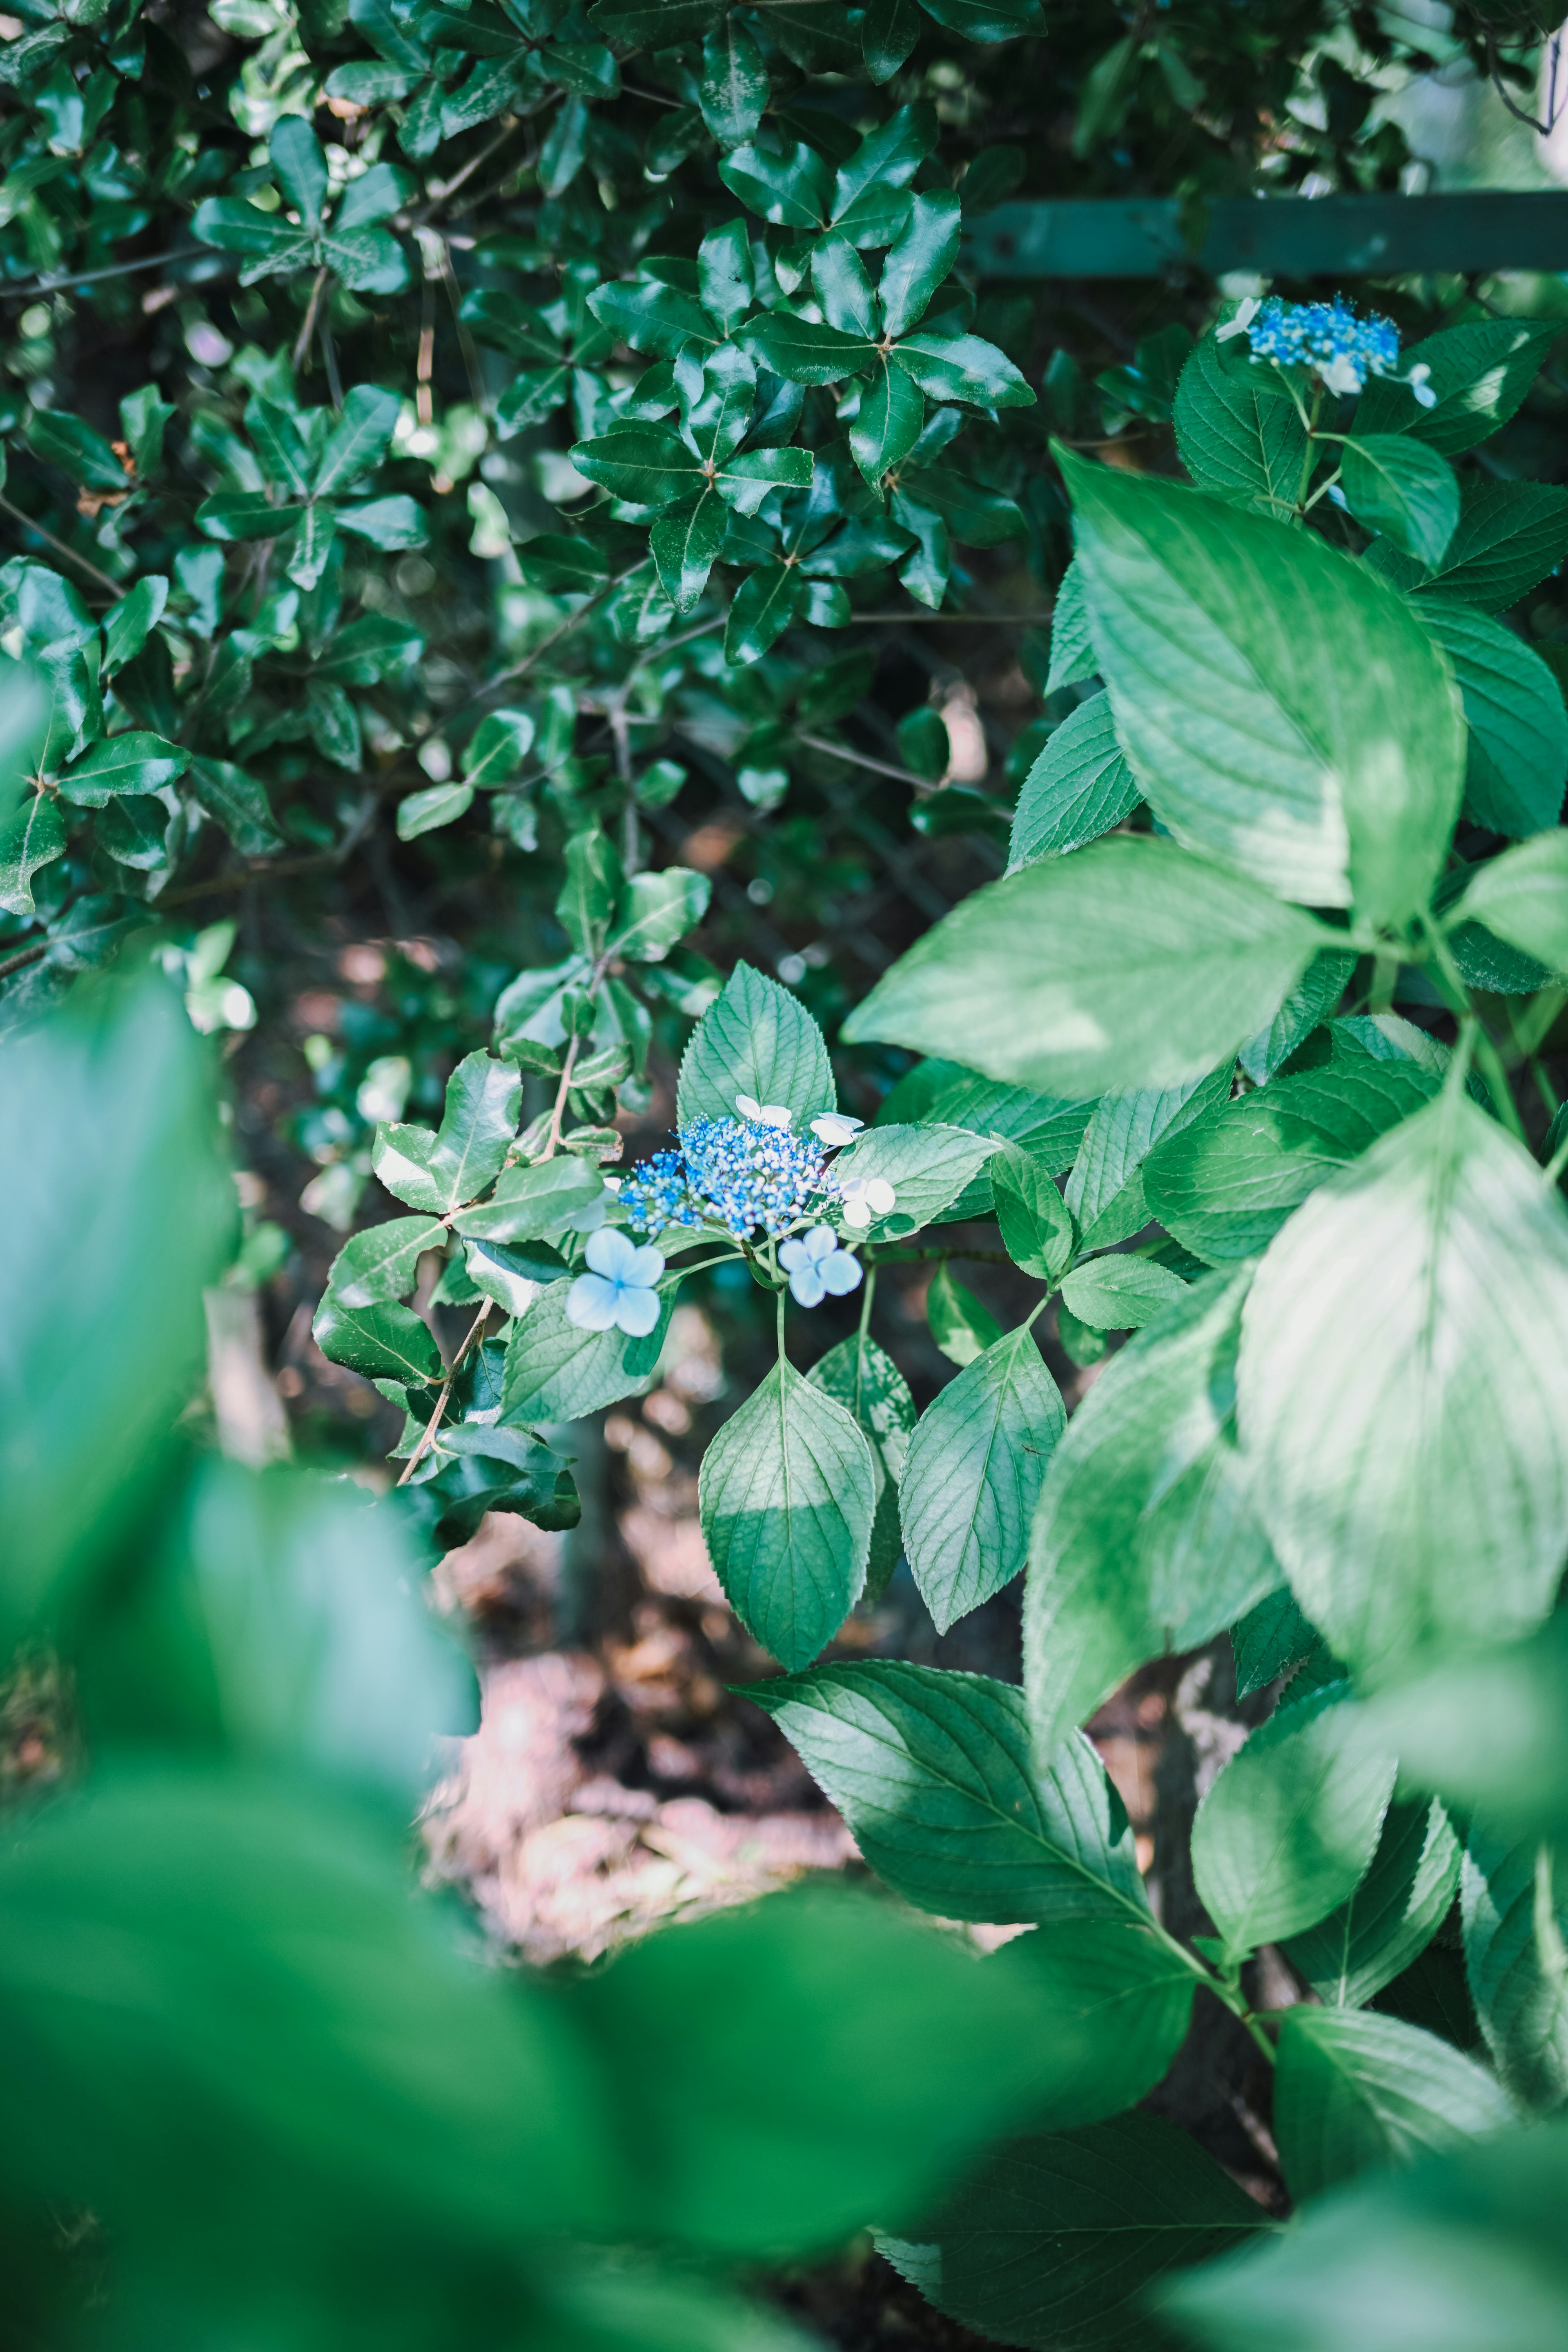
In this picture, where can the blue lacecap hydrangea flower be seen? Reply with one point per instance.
(1329, 339)
(741, 1176)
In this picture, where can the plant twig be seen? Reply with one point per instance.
(302, 341)
(861, 760)
(434, 1424)
(115, 587)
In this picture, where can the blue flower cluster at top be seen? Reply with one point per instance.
(1325, 336)
(737, 1176)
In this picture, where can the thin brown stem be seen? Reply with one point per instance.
(553, 1142)
(115, 587)
(434, 1424)
(27, 956)
(860, 759)
(302, 341)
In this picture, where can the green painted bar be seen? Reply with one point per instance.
(1281, 236)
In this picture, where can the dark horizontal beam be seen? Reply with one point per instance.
(1281, 237)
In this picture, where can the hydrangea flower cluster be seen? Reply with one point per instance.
(738, 1175)
(1328, 338)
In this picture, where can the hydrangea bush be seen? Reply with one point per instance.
(677, 298)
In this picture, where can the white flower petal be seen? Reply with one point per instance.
(637, 1312)
(794, 1256)
(820, 1242)
(748, 1106)
(807, 1287)
(840, 1274)
(593, 1303)
(856, 1212)
(881, 1195)
(776, 1115)
(836, 1127)
(613, 1254)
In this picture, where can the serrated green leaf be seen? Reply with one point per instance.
(1054, 2239)
(1270, 1639)
(1400, 488)
(1128, 964)
(556, 1372)
(976, 1464)
(1281, 708)
(934, 1773)
(1037, 1229)
(1515, 1916)
(1105, 1190)
(1354, 2090)
(1223, 1186)
(1288, 1828)
(733, 91)
(873, 1392)
(1509, 535)
(1392, 1916)
(1073, 656)
(1238, 431)
(1423, 1292)
(1517, 750)
(805, 350)
(928, 1166)
(1078, 788)
(1479, 372)
(788, 1496)
(1121, 1293)
(1146, 1538)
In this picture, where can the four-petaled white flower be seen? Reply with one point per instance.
(1246, 313)
(1341, 375)
(1417, 379)
(815, 1265)
(618, 1293)
(765, 1114)
(836, 1127)
(865, 1197)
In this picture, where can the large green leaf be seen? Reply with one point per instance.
(1522, 896)
(1287, 1830)
(1105, 1190)
(1403, 1389)
(382, 1263)
(1121, 1293)
(1509, 536)
(758, 1040)
(1053, 2241)
(1079, 787)
(833, 2059)
(230, 2019)
(112, 1179)
(134, 762)
(557, 1372)
(1283, 709)
(1129, 964)
(1113, 2001)
(1517, 748)
(1238, 431)
(280, 1620)
(976, 1463)
(787, 1497)
(381, 1342)
(1393, 1915)
(1479, 372)
(1462, 2251)
(33, 838)
(1516, 1925)
(1408, 492)
(869, 1386)
(934, 1772)
(1146, 1536)
(1490, 1728)
(1352, 2089)
(929, 1168)
(1226, 1184)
